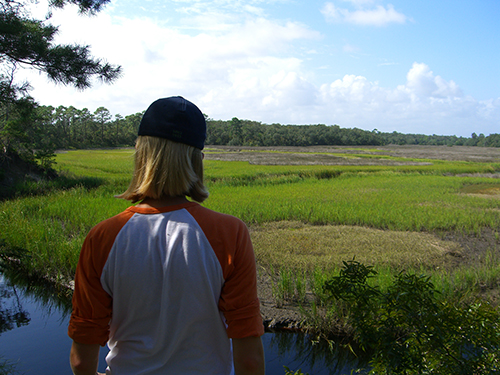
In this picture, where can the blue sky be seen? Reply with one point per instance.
(429, 67)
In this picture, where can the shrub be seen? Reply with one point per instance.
(408, 330)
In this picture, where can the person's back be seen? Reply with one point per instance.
(172, 279)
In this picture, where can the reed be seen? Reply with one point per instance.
(394, 201)
(49, 229)
(301, 217)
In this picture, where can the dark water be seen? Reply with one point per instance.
(33, 339)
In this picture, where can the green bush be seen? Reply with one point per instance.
(407, 329)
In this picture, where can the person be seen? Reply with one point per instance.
(168, 284)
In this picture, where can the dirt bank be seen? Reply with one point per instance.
(474, 250)
(275, 317)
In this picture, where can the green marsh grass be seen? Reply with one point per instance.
(51, 228)
(394, 201)
(380, 214)
(113, 165)
(290, 284)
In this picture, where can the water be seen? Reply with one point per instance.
(33, 339)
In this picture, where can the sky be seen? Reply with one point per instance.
(420, 67)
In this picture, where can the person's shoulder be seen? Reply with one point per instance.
(113, 223)
(215, 217)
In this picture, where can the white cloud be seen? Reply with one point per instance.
(236, 61)
(376, 17)
(387, 64)
(422, 81)
(379, 16)
(208, 7)
(332, 13)
(424, 104)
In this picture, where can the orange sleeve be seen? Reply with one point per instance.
(92, 306)
(231, 243)
(239, 301)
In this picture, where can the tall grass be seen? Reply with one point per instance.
(242, 173)
(50, 228)
(403, 202)
(114, 164)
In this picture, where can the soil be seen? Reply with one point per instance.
(287, 315)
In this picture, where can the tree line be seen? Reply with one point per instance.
(40, 130)
(238, 132)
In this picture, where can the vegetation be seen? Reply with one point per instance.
(6, 367)
(382, 208)
(251, 133)
(290, 372)
(423, 217)
(305, 220)
(69, 128)
(34, 132)
(28, 42)
(409, 329)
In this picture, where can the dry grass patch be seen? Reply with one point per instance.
(301, 246)
(484, 190)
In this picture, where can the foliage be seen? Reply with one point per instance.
(290, 372)
(289, 285)
(237, 132)
(406, 325)
(51, 226)
(409, 330)
(72, 128)
(384, 200)
(7, 367)
(29, 42)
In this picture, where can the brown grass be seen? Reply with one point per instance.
(334, 155)
(304, 247)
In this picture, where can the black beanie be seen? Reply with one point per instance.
(177, 119)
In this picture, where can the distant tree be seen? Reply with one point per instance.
(102, 118)
(218, 132)
(130, 127)
(236, 132)
(118, 125)
(62, 123)
(493, 140)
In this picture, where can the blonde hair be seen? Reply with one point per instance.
(166, 168)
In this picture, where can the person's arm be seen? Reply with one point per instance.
(84, 358)
(248, 356)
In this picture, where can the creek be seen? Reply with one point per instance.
(33, 340)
